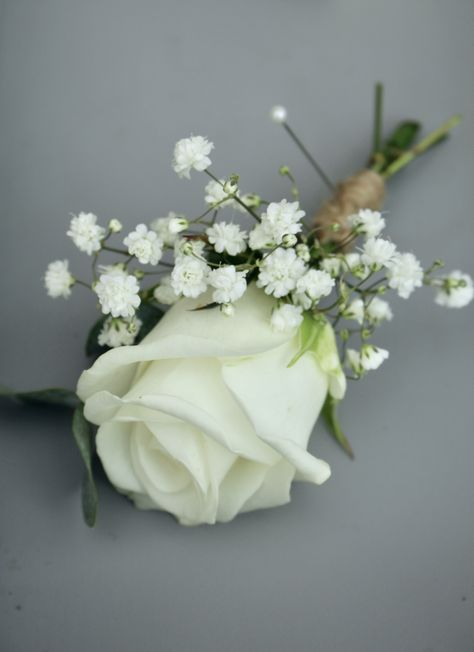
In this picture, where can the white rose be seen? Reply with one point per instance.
(204, 418)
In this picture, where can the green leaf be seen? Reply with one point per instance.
(83, 436)
(403, 136)
(51, 396)
(332, 422)
(92, 344)
(149, 315)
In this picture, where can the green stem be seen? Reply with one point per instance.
(378, 113)
(235, 197)
(429, 141)
(116, 251)
(86, 285)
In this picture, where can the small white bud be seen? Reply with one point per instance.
(289, 240)
(227, 309)
(115, 226)
(186, 248)
(178, 224)
(278, 114)
(302, 251)
(230, 188)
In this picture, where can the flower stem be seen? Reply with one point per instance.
(116, 251)
(378, 113)
(429, 141)
(235, 197)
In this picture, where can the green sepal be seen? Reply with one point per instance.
(316, 336)
(310, 331)
(329, 413)
(83, 436)
(51, 396)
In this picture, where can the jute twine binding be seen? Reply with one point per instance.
(366, 189)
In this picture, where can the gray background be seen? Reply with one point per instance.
(93, 95)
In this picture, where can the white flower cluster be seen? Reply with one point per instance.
(216, 259)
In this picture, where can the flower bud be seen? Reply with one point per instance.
(302, 251)
(178, 224)
(227, 309)
(115, 226)
(289, 240)
(251, 200)
(231, 185)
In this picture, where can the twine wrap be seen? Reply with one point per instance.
(366, 189)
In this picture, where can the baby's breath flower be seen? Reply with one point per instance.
(278, 114)
(85, 233)
(144, 244)
(58, 280)
(280, 271)
(378, 310)
(456, 290)
(119, 332)
(115, 226)
(331, 265)
(370, 223)
(286, 317)
(378, 253)
(161, 225)
(164, 293)
(118, 293)
(316, 284)
(355, 310)
(191, 153)
(282, 218)
(229, 284)
(260, 238)
(228, 237)
(404, 274)
(371, 357)
(189, 277)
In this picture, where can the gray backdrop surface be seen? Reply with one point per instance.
(93, 96)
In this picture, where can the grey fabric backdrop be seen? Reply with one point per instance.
(93, 95)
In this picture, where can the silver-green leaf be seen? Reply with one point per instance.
(83, 435)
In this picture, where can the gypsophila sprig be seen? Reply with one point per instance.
(86, 233)
(214, 261)
(145, 245)
(227, 237)
(58, 280)
(118, 293)
(191, 154)
(119, 332)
